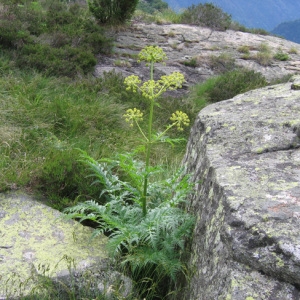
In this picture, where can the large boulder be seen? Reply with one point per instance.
(244, 158)
(36, 244)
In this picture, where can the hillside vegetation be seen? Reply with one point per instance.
(57, 119)
(51, 105)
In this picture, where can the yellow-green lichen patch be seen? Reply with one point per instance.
(258, 194)
(36, 235)
(259, 150)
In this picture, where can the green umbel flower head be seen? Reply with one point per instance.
(173, 81)
(132, 82)
(133, 115)
(179, 120)
(152, 54)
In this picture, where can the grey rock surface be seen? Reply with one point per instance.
(244, 157)
(35, 241)
(184, 42)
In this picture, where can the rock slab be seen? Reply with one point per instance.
(184, 43)
(35, 240)
(244, 157)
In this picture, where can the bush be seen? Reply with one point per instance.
(264, 55)
(235, 82)
(14, 31)
(150, 6)
(293, 50)
(53, 39)
(244, 49)
(191, 62)
(222, 63)
(206, 15)
(112, 12)
(198, 95)
(281, 56)
(258, 31)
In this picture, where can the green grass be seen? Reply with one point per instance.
(199, 93)
(43, 120)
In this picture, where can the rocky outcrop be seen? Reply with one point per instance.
(35, 243)
(182, 43)
(244, 157)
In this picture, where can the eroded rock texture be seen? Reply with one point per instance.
(36, 243)
(183, 43)
(244, 157)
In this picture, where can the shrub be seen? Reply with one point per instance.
(112, 12)
(222, 63)
(206, 15)
(191, 62)
(264, 55)
(52, 39)
(235, 82)
(14, 32)
(244, 49)
(150, 6)
(283, 79)
(281, 56)
(293, 50)
(11, 37)
(258, 31)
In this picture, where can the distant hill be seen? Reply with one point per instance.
(289, 30)
(265, 14)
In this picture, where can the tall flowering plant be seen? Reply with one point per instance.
(146, 227)
(152, 90)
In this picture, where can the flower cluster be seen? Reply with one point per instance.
(152, 54)
(133, 115)
(179, 120)
(132, 82)
(152, 89)
(173, 81)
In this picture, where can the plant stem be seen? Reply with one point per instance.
(148, 145)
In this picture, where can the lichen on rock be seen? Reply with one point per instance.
(35, 241)
(247, 199)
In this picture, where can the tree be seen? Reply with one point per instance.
(112, 11)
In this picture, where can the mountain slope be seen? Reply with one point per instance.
(266, 14)
(289, 30)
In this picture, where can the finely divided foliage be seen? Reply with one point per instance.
(143, 218)
(146, 246)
